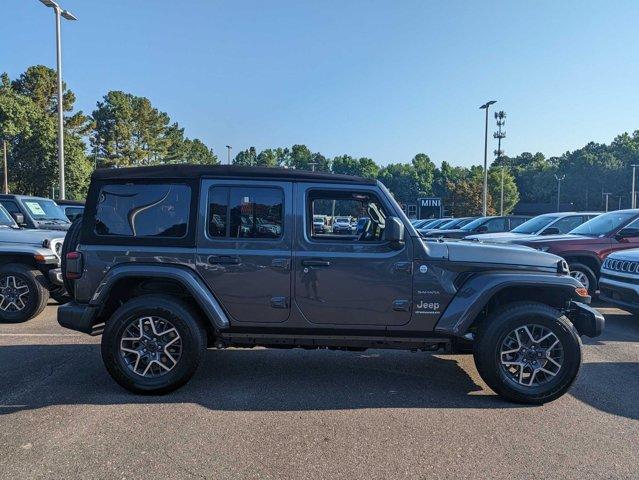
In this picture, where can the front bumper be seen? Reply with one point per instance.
(55, 276)
(587, 320)
(80, 317)
(621, 293)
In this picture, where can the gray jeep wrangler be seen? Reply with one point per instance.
(170, 260)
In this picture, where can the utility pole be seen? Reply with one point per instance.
(5, 188)
(559, 179)
(312, 163)
(486, 106)
(633, 197)
(499, 134)
(60, 12)
(607, 195)
(228, 154)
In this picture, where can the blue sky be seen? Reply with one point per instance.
(384, 79)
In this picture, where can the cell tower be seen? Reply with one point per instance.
(500, 117)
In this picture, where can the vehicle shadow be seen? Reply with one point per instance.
(248, 380)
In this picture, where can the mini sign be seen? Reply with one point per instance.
(429, 207)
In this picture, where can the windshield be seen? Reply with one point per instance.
(475, 223)
(603, 224)
(342, 220)
(535, 224)
(5, 219)
(43, 209)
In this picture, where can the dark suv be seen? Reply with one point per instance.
(170, 260)
(586, 247)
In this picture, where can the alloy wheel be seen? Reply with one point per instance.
(150, 346)
(531, 355)
(14, 294)
(581, 277)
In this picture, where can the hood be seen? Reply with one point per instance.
(452, 233)
(28, 236)
(631, 255)
(513, 255)
(558, 239)
(498, 237)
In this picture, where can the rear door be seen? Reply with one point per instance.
(244, 247)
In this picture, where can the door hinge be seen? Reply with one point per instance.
(401, 305)
(403, 267)
(279, 302)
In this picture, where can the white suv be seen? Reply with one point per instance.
(619, 280)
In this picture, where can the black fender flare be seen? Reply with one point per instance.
(478, 290)
(185, 276)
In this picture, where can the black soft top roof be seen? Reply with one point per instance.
(174, 171)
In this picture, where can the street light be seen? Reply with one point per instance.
(485, 106)
(607, 195)
(559, 179)
(633, 199)
(228, 153)
(59, 11)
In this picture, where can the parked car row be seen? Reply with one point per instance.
(32, 231)
(583, 239)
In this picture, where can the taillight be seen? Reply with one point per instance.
(73, 265)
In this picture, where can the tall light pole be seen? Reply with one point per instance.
(633, 199)
(485, 106)
(607, 195)
(59, 12)
(5, 183)
(559, 179)
(228, 154)
(499, 134)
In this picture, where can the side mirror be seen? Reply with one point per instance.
(19, 218)
(481, 229)
(394, 232)
(551, 231)
(625, 233)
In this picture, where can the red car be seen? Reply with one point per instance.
(586, 247)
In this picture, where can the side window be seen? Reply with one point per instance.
(345, 216)
(143, 210)
(568, 223)
(632, 229)
(496, 225)
(515, 222)
(11, 206)
(245, 212)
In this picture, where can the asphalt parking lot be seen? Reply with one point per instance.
(316, 414)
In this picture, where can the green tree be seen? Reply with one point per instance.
(511, 194)
(29, 124)
(402, 180)
(246, 157)
(362, 167)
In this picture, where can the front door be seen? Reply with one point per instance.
(244, 248)
(349, 277)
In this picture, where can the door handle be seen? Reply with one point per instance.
(316, 263)
(223, 259)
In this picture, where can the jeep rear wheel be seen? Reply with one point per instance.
(153, 344)
(23, 294)
(528, 353)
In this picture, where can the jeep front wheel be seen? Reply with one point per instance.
(153, 344)
(22, 292)
(528, 353)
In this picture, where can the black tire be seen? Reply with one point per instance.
(59, 294)
(36, 298)
(71, 241)
(185, 321)
(587, 271)
(494, 330)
